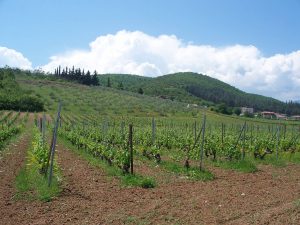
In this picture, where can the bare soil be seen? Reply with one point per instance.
(89, 196)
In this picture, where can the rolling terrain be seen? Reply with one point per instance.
(199, 89)
(190, 165)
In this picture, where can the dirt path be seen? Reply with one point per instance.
(91, 197)
(12, 159)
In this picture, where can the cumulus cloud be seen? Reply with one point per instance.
(12, 58)
(243, 66)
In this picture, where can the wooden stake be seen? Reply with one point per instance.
(131, 147)
(202, 143)
(53, 145)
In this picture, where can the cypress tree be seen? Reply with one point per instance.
(95, 80)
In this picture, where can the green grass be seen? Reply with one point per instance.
(32, 185)
(193, 173)
(245, 166)
(292, 157)
(138, 180)
(128, 180)
(272, 160)
(297, 203)
(136, 221)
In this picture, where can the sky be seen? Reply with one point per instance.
(251, 44)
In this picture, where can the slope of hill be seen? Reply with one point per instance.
(100, 101)
(200, 89)
(12, 97)
(165, 95)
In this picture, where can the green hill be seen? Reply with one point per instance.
(197, 88)
(99, 100)
(97, 103)
(165, 96)
(13, 97)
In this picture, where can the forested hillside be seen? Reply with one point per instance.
(199, 89)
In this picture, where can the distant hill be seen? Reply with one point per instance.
(176, 90)
(197, 88)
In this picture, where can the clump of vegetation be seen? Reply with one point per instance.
(193, 173)
(12, 97)
(31, 182)
(138, 181)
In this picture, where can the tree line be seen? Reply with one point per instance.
(78, 75)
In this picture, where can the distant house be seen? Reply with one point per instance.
(297, 117)
(273, 115)
(247, 110)
(268, 115)
(281, 116)
(192, 105)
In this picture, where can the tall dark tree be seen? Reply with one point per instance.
(141, 91)
(95, 80)
(87, 78)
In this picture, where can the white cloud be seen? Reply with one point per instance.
(12, 58)
(138, 53)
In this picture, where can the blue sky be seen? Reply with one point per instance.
(56, 28)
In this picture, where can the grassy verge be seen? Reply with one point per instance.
(293, 158)
(245, 166)
(193, 173)
(32, 185)
(127, 180)
(249, 164)
(172, 164)
(284, 159)
(272, 160)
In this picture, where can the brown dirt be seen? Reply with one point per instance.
(11, 160)
(91, 197)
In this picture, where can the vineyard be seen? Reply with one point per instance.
(153, 153)
(184, 141)
(162, 158)
(149, 113)
(11, 125)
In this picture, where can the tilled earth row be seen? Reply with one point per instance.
(89, 196)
